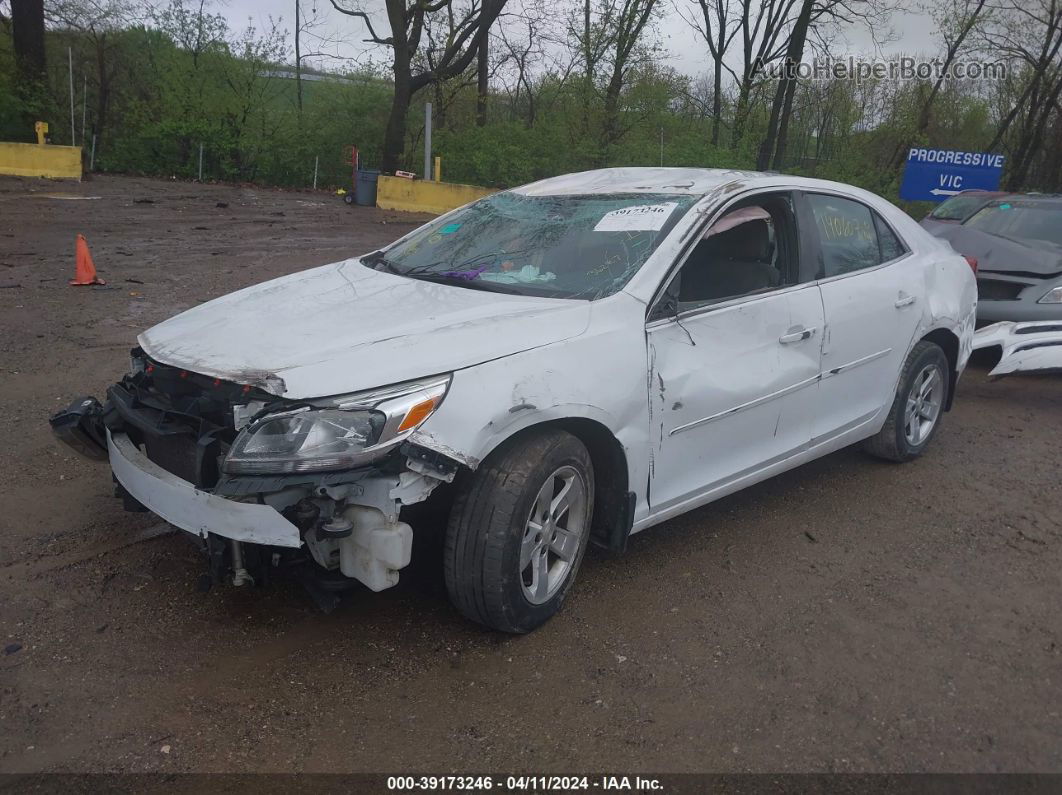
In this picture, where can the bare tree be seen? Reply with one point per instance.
(1030, 36)
(518, 53)
(956, 20)
(309, 26)
(482, 81)
(630, 21)
(98, 22)
(717, 26)
(609, 35)
(468, 24)
(763, 25)
(811, 17)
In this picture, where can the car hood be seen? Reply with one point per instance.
(1002, 255)
(345, 327)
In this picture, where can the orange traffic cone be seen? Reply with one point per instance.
(85, 272)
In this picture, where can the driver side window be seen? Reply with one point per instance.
(750, 249)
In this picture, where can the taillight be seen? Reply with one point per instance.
(972, 262)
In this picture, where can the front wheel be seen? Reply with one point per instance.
(917, 408)
(518, 530)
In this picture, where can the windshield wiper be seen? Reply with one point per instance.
(471, 284)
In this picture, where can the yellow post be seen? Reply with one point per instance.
(438, 169)
(41, 128)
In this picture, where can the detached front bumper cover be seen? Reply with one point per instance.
(1026, 347)
(183, 505)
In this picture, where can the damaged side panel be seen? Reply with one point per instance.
(600, 377)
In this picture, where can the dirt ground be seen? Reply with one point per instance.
(848, 616)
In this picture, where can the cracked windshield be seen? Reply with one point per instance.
(557, 246)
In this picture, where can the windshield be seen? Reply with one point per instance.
(1022, 221)
(557, 246)
(957, 207)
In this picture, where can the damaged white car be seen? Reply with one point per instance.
(568, 362)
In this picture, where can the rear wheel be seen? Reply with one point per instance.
(518, 530)
(917, 408)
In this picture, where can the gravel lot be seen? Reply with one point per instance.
(848, 616)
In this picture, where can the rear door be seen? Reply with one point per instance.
(872, 294)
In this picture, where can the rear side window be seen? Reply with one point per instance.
(890, 245)
(852, 237)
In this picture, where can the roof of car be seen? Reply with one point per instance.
(693, 181)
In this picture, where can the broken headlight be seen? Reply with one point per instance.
(336, 433)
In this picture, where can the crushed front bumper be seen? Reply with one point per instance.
(183, 505)
(166, 432)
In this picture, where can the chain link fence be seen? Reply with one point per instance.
(323, 168)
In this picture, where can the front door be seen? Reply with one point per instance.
(733, 376)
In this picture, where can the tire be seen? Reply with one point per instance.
(348, 198)
(492, 532)
(897, 440)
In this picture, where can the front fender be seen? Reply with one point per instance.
(600, 376)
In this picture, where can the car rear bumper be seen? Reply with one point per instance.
(183, 505)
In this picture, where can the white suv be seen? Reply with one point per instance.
(570, 361)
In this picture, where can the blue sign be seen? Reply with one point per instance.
(937, 174)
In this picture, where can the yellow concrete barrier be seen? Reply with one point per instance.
(423, 196)
(34, 160)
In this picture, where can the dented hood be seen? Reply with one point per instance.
(1001, 254)
(345, 327)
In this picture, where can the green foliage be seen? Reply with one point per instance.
(163, 88)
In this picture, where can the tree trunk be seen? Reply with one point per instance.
(610, 124)
(783, 126)
(482, 83)
(588, 77)
(298, 61)
(717, 90)
(741, 112)
(395, 135)
(1032, 142)
(772, 150)
(27, 32)
(103, 94)
(766, 151)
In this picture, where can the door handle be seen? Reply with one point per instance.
(797, 336)
(906, 300)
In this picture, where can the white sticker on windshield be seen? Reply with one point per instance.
(642, 218)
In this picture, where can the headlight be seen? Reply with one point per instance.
(335, 433)
(1053, 297)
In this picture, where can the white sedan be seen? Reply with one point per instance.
(568, 362)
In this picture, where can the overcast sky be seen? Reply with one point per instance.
(913, 33)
